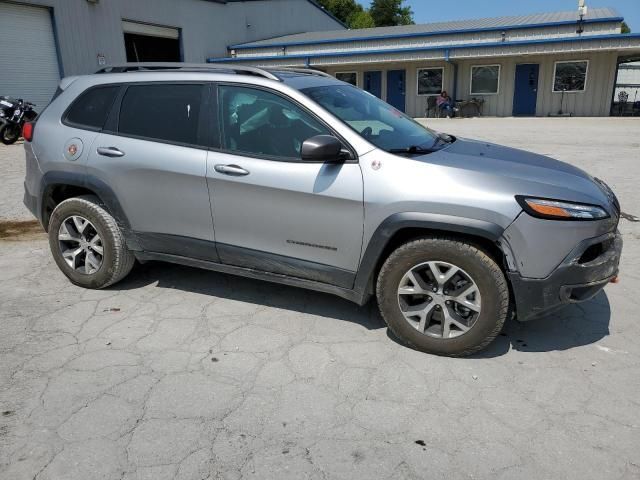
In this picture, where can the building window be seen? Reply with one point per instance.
(349, 77)
(485, 79)
(430, 80)
(570, 76)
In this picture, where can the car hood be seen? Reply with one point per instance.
(519, 172)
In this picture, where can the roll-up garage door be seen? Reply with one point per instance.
(28, 59)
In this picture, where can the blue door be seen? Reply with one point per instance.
(373, 83)
(525, 93)
(396, 83)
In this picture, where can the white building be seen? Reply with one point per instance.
(540, 64)
(44, 40)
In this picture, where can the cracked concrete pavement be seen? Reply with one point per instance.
(177, 373)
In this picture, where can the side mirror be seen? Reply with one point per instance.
(323, 148)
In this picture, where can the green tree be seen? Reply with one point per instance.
(625, 28)
(387, 13)
(361, 19)
(343, 10)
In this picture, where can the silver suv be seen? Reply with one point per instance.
(294, 177)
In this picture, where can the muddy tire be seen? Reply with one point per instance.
(87, 244)
(443, 296)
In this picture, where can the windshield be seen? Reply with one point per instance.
(378, 122)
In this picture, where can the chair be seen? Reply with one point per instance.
(623, 98)
(432, 106)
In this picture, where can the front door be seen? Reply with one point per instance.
(526, 89)
(155, 162)
(273, 212)
(373, 83)
(396, 88)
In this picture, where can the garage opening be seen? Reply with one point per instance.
(626, 95)
(151, 43)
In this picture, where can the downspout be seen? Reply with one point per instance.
(455, 74)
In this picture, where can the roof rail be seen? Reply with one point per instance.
(160, 66)
(308, 71)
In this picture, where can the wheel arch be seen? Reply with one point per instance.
(59, 186)
(400, 228)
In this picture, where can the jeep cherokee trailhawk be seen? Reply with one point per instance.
(292, 176)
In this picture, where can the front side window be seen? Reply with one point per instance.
(430, 81)
(261, 123)
(91, 108)
(570, 76)
(165, 112)
(348, 77)
(485, 79)
(378, 122)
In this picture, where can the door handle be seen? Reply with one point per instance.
(110, 152)
(234, 170)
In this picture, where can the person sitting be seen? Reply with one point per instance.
(445, 104)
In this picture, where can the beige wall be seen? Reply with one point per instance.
(416, 105)
(594, 101)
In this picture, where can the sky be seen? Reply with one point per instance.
(426, 11)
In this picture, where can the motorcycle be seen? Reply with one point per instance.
(13, 115)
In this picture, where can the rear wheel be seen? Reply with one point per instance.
(443, 296)
(87, 244)
(9, 134)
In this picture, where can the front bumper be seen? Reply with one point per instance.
(585, 271)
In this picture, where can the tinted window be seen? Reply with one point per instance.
(166, 112)
(485, 79)
(430, 81)
(570, 76)
(262, 123)
(92, 107)
(349, 77)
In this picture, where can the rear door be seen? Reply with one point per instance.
(272, 211)
(152, 154)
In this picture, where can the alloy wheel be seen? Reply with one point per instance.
(439, 299)
(80, 244)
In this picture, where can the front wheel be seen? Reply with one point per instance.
(9, 133)
(443, 296)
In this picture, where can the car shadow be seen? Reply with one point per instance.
(248, 290)
(573, 326)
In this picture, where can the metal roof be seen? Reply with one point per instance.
(625, 41)
(605, 14)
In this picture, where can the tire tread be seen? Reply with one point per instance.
(422, 244)
(124, 259)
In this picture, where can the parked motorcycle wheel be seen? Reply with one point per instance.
(9, 134)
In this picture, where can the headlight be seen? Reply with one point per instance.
(1, 113)
(560, 210)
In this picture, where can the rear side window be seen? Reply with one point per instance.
(90, 109)
(165, 112)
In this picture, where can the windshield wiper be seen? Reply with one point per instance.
(413, 149)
